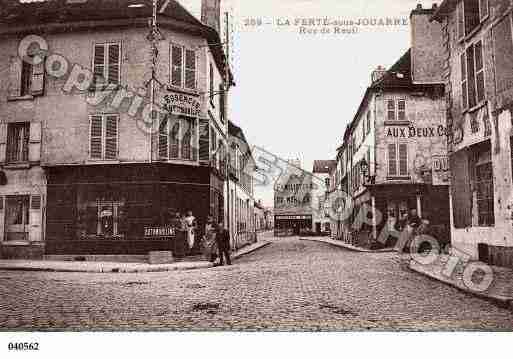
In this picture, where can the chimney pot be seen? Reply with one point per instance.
(419, 6)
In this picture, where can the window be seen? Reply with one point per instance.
(397, 159)
(483, 9)
(107, 63)
(104, 137)
(472, 75)
(18, 135)
(26, 78)
(17, 218)
(396, 110)
(183, 67)
(211, 84)
(177, 139)
(484, 194)
(105, 218)
(470, 13)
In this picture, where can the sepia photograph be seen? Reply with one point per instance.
(186, 171)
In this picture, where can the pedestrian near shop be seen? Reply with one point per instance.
(223, 244)
(190, 227)
(209, 240)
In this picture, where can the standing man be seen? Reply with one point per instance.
(223, 244)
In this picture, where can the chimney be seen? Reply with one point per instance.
(211, 13)
(378, 74)
(427, 49)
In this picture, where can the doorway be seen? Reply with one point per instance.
(17, 218)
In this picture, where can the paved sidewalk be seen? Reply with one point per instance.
(115, 267)
(500, 290)
(342, 244)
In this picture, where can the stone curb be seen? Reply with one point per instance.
(348, 246)
(70, 267)
(255, 247)
(502, 301)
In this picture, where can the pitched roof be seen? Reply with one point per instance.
(324, 166)
(40, 13)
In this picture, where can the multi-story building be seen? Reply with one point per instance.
(293, 200)
(240, 189)
(259, 216)
(269, 218)
(325, 173)
(393, 158)
(81, 172)
(478, 73)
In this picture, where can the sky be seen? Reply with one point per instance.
(295, 93)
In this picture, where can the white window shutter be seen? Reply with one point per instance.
(163, 139)
(3, 142)
(111, 137)
(392, 160)
(37, 85)
(15, 77)
(35, 142)
(99, 64)
(35, 220)
(174, 138)
(176, 65)
(96, 138)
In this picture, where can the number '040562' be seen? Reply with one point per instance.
(23, 346)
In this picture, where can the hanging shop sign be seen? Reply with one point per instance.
(417, 132)
(182, 104)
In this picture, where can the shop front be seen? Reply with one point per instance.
(126, 209)
(292, 225)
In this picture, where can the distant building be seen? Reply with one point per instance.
(322, 170)
(293, 201)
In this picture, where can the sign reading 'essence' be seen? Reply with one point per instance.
(182, 104)
(409, 132)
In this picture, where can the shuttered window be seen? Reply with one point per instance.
(18, 135)
(401, 110)
(222, 103)
(368, 121)
(107, 64)
(484, 9)
(403, 159)
(190, 69)
(472, 75)
(104, 137)
(392, 160)
(211, 83)
(480, 90)
(464, 97)
(460, 18)
(36, 202)
(503, 54)
(183, 67)
(176, 65)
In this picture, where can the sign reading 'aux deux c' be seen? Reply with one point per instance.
(409, 132)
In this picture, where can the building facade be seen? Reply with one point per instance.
(293, 213)
(393, 156)
(323, 170)
(240, 191)
(479, 95)
(83, 174)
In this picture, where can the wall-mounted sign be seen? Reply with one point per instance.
(293, 217)
(417, 132)
(182, 104)
(159, 231)
(440, 170)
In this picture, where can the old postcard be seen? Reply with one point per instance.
(255, 166)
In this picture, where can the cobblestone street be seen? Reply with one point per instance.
(288, 285)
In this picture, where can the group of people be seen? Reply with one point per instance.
(215, 243)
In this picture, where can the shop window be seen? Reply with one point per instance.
(18, 135)
(105, 218)
(177, 139)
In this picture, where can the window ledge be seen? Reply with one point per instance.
(471, 34)
(397, 123)
(180, 162)
(185, 91)
(398, 178)
(20, 98)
